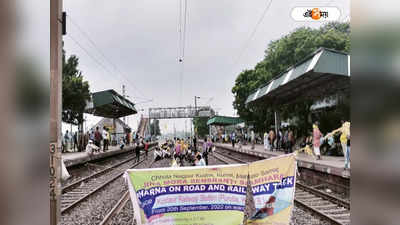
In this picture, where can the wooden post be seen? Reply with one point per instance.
(55, 109)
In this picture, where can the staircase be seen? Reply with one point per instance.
(143, 126)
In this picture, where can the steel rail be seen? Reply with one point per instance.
(82, 195)
(118, 206)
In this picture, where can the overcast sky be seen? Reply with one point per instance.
(140, 38)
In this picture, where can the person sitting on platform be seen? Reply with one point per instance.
(121, 143)
(91, 148)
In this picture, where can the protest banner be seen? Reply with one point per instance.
(189, 195)
(273, 187)
(214, 194)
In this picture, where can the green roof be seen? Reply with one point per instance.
(110, 104)
(323, 73)
(224, 120)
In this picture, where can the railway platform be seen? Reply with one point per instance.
(328, 164)
(76, 158)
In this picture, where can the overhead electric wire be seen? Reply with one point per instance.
(87, 52)
(180, 58)
(106, 59)
(184, 30)
(182, 25)
(179, 30)
(246, 44)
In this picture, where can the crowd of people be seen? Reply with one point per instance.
(100, 141)
(284, 139)
(184, 152)
(70, 141)
(311, 144)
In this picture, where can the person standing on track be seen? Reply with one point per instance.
(178, 151)
(194, 142)
(317, 140)
(137, 151)
(146, 148)
(205, 150)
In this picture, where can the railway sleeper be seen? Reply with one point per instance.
(320, 203)
(311, 199)
(304, 195)
(335, 211)
(322, 207)
(344, 221)
(344, 215)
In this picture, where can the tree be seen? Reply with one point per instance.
(75, 91)
(280, 55)
(200, 126)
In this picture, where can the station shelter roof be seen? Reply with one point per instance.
(224, 120)
(110, 104)
(325, 72)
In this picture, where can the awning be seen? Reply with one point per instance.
(323, 73)
(110, 104)
(224, 121)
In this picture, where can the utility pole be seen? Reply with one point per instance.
(195, 105)
(123, 94)
(55, 109)
(191, 122)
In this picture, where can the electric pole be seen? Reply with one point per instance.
(56, 22)
(174, 130)
(123, 94)
(195, 105)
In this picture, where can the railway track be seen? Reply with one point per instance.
(107, 220)
(80, 190)
(331, 208)
(227, 158)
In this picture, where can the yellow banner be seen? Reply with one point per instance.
(273, 185)
(214, 194)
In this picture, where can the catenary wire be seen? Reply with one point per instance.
(86, 35)
(246, 44)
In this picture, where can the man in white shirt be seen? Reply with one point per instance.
(105, 139)
(91, 148)
(253, 139)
